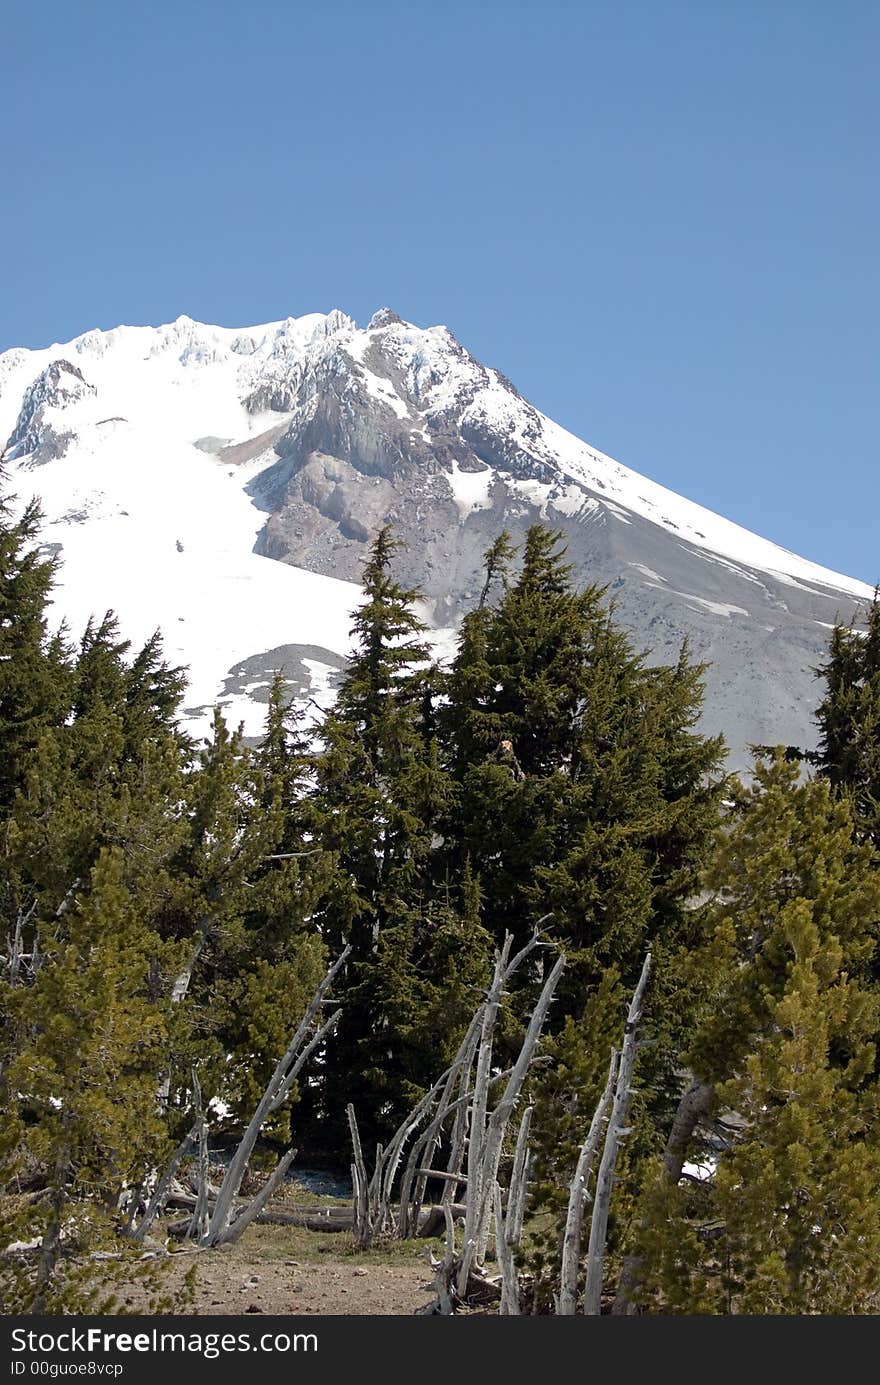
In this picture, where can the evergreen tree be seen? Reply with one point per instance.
(275, 959)
(849, 720)
(586, 793)
(381, 794)
(81, 1052)
(790, 1220)
(584, 788)
(244, 904)
(413, 995)
(110, 773)
(34, 675)
(122, 858)
(34, 666)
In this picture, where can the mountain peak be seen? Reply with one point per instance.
(38, 433)
(182, 457)
(384, 317)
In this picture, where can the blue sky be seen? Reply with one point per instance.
(660, 220)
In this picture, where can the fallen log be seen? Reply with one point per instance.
(481, 1291)
(328, 1219)
(433, 1219)
(312, 1218)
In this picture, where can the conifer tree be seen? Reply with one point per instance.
(584, 793)
(790, 1220)
(849, 720)
(380, 796)
(82, 1047)
(243, 904)
(110, 773)
(276, 958)
(34, 667)
(583, 787)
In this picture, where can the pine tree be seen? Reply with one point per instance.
(584, 788)
(790, 1221)
(373, 751)
(34, 676)
(272, 963)
(110, 773)
(82, 1050)
(414, 994)
(34, 666)
(799, 1194)
(381, 794)
(115, 758)
(586, 794)
(849, 720)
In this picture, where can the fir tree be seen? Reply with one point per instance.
(243, 911)
(34, 666)
(370, 774)
(790, 1221)
(584, 792)
(109, 774)
(381, 794)
(849, 720)
(276, 958)
(583, 787)
(82, 1049)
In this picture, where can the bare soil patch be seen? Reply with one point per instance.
(285, 1270)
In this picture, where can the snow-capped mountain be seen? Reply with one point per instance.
(222, 484)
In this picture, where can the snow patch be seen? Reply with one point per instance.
(718, 608)
(383, 391)
(648, 572)
(470, 489)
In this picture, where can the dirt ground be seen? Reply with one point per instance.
(289, 1270)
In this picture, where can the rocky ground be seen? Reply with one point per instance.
(289, 1270)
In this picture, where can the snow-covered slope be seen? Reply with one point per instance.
(176, 463)
(151, 525)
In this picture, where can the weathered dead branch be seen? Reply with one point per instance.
(614, 1134)
(578, 1197)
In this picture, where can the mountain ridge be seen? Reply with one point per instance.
(294, 440)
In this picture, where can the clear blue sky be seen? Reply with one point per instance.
(659, 219)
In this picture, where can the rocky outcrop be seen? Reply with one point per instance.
(448, 453)
(39, 433)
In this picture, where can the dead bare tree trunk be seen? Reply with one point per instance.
(257, 1203)
(308, 1036)
(160, 1192)
(487, 1136)
(614, 1134)
(445, 1303)
(422, 1152)
(508, 1227)
(50, 1248)
(17, 960)
(458, 1139)
(372, 1197)
(362, 1225)
(579, 1194)
(199, 1225)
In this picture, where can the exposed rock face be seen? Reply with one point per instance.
(38, 433)
(334, 430)
(382, 434)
